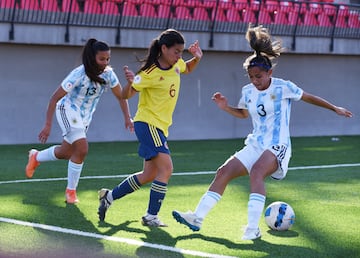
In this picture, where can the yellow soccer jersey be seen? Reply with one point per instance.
(158, 93)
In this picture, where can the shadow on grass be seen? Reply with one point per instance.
(272, 250)
(152, 235)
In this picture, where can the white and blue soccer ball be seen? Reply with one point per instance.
(279, 216)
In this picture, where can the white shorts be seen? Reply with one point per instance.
(250, 154)
(71, 123)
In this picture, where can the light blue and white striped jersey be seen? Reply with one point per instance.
(270, 112)
(82, 94)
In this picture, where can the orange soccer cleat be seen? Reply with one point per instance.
(32, 163)
(70, 196)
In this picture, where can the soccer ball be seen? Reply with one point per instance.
(279, 216)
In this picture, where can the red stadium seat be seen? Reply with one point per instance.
(280, 17)
(254, 5)
(110, 8)
(209, 3)
(310, 19)
(192, 3)
(341, 22)
(293, 18)
(343, 10)
(324, 20)
(49, 5)
(200, 13)
(7, 3)
(30, 5)
(264, 17)
(147, 10)
(354, 20)
(92, 6)
(341, 19)
(232, 15)
(271, 6)
(248, 16)
(241, 4)
(286, 6)
(164, 11)
(182, 12)
(226, 4)
(330, 9)
(315, 8)
(129, 9)
(218, 14)
(156, 2)
(74, 6)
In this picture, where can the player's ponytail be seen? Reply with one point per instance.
(265, 50)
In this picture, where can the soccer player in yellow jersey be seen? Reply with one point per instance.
(158, 84)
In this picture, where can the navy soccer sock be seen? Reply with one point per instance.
(129, 185)
(157, 195)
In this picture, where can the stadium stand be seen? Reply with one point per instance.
(279, 14)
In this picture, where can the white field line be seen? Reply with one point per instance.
(132, 241)
(112, 238)
(174, 174)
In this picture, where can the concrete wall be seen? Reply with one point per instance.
(31, 72)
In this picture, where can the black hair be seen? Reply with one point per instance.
(91, 48)
(264, 49)
(168, 38)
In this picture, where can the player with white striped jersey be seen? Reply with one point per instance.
(84, 94)
(267, 100)
(74, 102)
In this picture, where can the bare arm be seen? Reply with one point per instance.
(315, 100)
(196, 51)
(45, 132)
(222, 103)
(124, 105)
(128, 91)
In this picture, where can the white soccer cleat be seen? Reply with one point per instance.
(104, 203)
(189, 219)
(251, 233)
(152, 221)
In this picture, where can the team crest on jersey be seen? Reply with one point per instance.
(161, 78)
(74, 121)
(137, 79)
(68, 86)
(272, 96)
(177, 70)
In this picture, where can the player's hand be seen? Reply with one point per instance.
(195, 50)
(220, 100)
(44, 134)
(343, 112)
(129, 124)
(129, 75)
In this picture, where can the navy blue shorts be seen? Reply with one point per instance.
(152, 140)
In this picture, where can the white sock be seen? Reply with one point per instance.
(74, 171)
(206, 203)
(255, 208)
(47, 154)
(109, 196)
